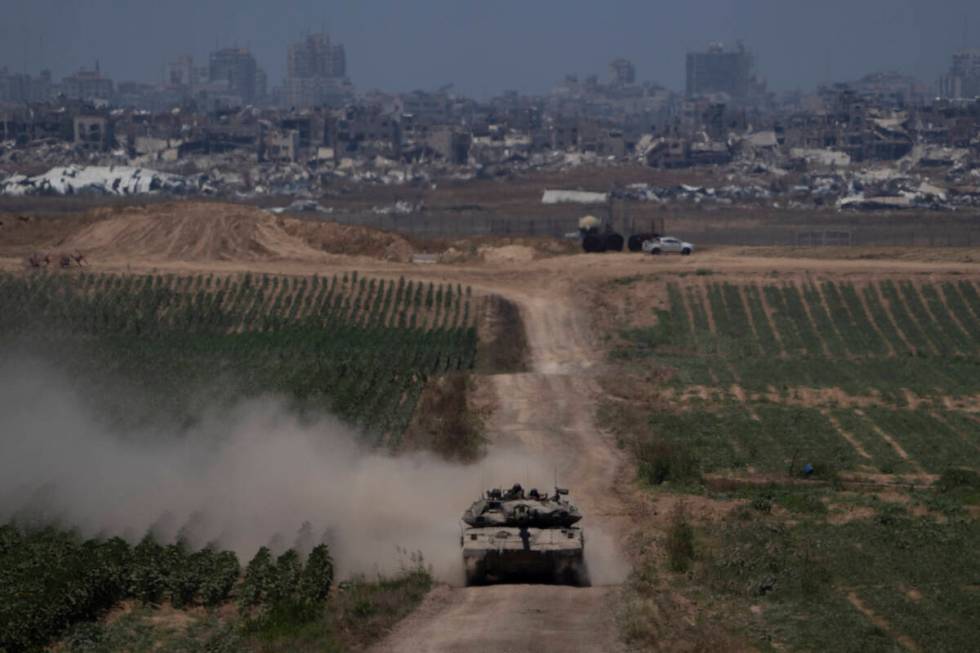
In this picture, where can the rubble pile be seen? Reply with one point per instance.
(911, 183)
(873, 144)
(48, 153)
(100, 180)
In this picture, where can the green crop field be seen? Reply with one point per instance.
(55, 583)
(876, 340)
(872, 384)
(160, 349)
(887, 336)
(891, 582)
(160, 353)
(51, 579)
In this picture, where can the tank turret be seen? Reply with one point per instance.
(515, 507)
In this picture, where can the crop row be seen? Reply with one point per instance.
(150, 351)
(777, 439)
(885, 336)
(836, 318)
(196, 304)
(51, 579)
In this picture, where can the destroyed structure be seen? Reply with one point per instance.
(316, 73)
(725, 72)
(881, 141)
(963, 80)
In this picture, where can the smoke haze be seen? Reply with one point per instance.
(243, 479)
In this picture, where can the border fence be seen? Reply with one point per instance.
(927, 231)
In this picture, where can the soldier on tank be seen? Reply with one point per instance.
(516, 493)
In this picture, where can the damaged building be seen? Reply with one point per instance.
(721, 70)
(316, 73)
(963, 79)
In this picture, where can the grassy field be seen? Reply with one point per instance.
(824, 433)
(890, 580)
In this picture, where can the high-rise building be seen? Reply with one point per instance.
(316, 56)
(261, 84)
(17, 87)
(236, 67)
(963, 80)
(180, 72)
(87, 85)
(720, 70)
(316, 72)
(622, 72)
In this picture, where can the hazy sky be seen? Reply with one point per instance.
(485, 47)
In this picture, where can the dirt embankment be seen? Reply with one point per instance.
(199, 232)
(205, 232)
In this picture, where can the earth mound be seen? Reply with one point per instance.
(205, 231)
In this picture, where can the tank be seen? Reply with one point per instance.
(597, 236)
(517, 536)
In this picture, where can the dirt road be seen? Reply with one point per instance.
(549, 413)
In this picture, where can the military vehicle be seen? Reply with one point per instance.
(601, 235)
(511, 535)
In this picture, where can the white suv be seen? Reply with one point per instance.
(667, 245)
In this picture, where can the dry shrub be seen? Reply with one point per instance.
(504, 347)
(662, 459)
(680, 540)
(444, 422)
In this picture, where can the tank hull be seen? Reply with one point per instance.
(524, 555)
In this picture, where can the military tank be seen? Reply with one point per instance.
(513, 535)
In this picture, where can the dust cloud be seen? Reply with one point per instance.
(245, 478)
(604, 556)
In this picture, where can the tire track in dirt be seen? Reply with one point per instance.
(547, 413)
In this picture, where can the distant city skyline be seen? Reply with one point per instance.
(486, 49)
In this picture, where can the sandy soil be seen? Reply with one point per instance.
(197, 232)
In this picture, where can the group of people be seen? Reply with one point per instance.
(516, 493)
